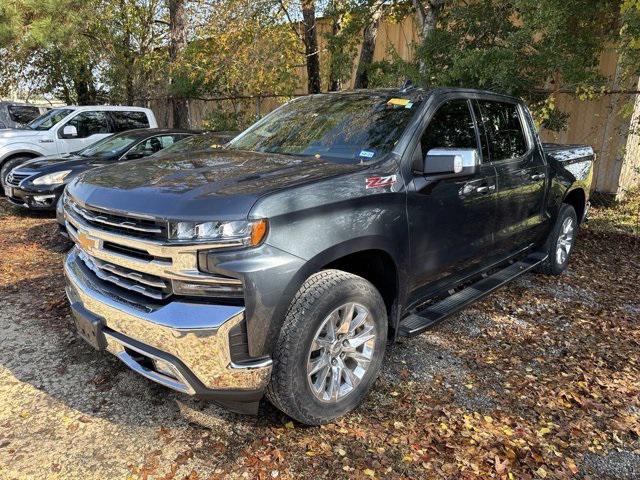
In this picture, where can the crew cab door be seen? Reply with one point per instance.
(521, 173)
(451, 220)
(85, 128)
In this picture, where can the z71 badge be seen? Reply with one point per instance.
(379, 182)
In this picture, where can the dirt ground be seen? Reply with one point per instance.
(540, 380)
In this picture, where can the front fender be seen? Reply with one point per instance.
(18, 148)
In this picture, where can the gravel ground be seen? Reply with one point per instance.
(443, 407)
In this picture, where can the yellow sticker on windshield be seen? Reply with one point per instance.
(401, 102)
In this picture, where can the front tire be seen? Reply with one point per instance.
(330, 348)
(8, 166)
(559, 244)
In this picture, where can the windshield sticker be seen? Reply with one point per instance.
(366, 153)
(400, 102)
(379, 182)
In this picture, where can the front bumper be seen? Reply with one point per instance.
(192, 338)
(44, 200)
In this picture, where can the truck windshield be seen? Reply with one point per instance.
(110, 146)
(49, 119)
(343, 128)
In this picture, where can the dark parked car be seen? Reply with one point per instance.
(17, 115)
(38, 183)
(284, 263)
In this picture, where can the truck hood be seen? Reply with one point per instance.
(220, 185)
(18, 133)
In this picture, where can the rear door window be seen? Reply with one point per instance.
(129, 120)
(503, 128)
(23, 114)
(90, 123)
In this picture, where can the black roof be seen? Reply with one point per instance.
(418, 93)
(150, 132)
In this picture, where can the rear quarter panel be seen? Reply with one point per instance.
(571, 168)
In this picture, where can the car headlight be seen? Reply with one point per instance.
(236, 233)
(51, 178)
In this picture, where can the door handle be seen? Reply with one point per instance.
(485, 189)
(539, 176)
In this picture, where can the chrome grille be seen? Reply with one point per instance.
(133, 226)
(148, 285)
(14, 178)
(136, 263)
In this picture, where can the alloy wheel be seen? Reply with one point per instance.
(341, 352)
(565, 240)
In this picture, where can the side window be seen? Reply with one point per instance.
(90, 123)
(129, 120)
(451, 127)
(154, 144)
(23, 114)
(501, 122)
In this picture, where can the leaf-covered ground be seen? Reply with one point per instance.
(540, 380)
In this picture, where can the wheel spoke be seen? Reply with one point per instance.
(321, 381)
(331, 326)
(347, 316)
(360, 358)
(351, 378)
(334, 383)
(363, 337)
(320, 343)
(319, 363)
(357, 322)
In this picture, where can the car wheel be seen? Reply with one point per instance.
(8, 166)
(560, 242)
(330, 348)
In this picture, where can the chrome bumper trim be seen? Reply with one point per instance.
(196, 334)
(117, 347)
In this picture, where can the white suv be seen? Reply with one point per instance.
(67, 129)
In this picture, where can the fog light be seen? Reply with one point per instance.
(165, 368)
(43, 198)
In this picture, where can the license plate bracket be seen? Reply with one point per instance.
(89, 327)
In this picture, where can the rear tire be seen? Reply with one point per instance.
(560, 242)
(319, 375)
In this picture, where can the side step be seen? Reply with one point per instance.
(419, 320)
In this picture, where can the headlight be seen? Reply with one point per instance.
(236, 233)
(51, 178)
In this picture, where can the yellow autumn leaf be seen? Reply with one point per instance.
(369, 473)
(541, 472)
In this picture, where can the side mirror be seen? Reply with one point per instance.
(451, 162)
(69, 131)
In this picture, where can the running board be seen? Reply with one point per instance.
(419, 320)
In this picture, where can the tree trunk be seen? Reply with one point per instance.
(427, 14)
(177, 44)
(335, 83)
(369, 35)
(83, 85)
(129, 92)
(311, 46)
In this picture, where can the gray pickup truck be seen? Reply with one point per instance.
(285, 263)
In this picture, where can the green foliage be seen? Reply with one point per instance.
(246, 49)
(630, 37)
(528, 48)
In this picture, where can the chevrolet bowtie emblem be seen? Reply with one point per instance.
(85, 241)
